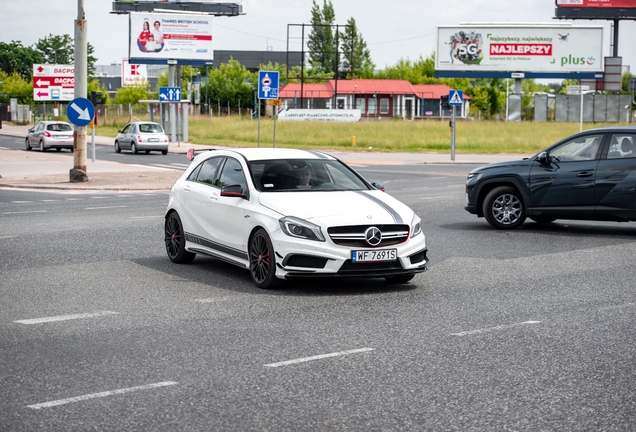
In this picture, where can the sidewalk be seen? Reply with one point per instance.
(50, 170)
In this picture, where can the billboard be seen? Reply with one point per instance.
(528, 48)
(53, 82)
(597, 3)
(133, 75)
(156, 36)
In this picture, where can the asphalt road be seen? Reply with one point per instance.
(107, 153)
(522, 330)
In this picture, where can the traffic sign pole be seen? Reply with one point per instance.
(453, 136)
(78, 173)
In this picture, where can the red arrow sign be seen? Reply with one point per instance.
(45, 82)
(40, 94)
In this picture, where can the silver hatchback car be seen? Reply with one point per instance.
(50, 135)
(142, 136)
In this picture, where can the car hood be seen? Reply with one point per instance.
(339, 208)
(514, 162)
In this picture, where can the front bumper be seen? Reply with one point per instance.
(309, 259)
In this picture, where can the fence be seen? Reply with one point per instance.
(597, 108)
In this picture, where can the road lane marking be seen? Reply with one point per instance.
(6, 237)
(621, 306)
(21, 202)
(74, 199)
(65, 317)
(168, 167)
(107, 207)
(212, 300)
(491, 329)
(318, 357)
(99, 395)
(98, 197)
(25, 212)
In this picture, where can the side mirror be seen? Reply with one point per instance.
(543, 157)
(379, 186)
(233, 191)
(119, 131)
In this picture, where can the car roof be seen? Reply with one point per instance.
(630, 129)
(254, 154)
(55, 122)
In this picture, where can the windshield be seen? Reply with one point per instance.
(150, 128)
(286, 175)
(59, 127)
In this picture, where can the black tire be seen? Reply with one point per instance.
(58, 149)
(42, 149)
(133, 148)
(164, 152)
(117, 147)
(147, 151)
(27, 146)
(175, 240)
(399, 278)
(542, 219)
(504, 208)
(262, 261)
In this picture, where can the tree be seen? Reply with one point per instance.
(132, 95)
(321, 41)
(15, 86)
(355, 52)
(227, 83)
(14, 57)
(57, 49)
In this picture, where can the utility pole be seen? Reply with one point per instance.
(78, 173)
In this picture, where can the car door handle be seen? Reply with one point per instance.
(214, 197)
(186, 188)
(585, 174)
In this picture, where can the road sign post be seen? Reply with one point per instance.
(268, 82)
(455, 99)
(80, 74)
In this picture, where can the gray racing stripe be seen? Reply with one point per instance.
(396, 216)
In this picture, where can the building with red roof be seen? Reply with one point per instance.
(375, 98)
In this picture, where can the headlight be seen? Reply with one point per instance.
(474, 175)
(416, 225)
(299, 228)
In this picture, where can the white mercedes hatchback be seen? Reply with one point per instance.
(291, 214)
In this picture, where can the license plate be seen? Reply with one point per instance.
(153, 140)
(373, 255)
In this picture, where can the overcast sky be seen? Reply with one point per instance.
(394, 30)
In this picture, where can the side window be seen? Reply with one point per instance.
(207, 172)
(579, 149)
(126, 129)
(195, 173)
(133, 129)
(232, 174)
(40, 127)
(622, 146)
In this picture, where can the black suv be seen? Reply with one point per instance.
(588, 176)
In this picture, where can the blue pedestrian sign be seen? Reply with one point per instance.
(169, 94)
(268, 84)
(455, 97)
(80, 112)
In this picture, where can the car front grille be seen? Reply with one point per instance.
(353, 236)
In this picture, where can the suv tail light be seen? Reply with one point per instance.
(139, 138)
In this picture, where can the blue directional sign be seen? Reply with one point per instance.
(169, 94)
(455, 97)
(80, 112)
(268, 84)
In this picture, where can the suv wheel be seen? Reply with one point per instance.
(26, 144)
(504, 208)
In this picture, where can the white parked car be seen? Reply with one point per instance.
(291, 214)
(142, 136)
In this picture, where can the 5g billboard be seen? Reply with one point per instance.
(536, 48)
